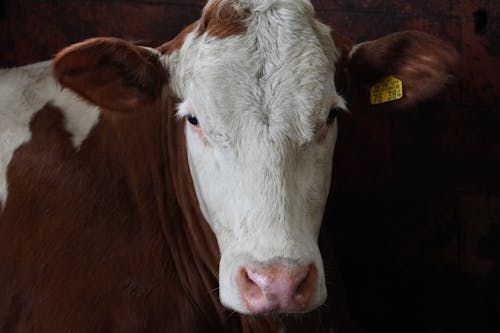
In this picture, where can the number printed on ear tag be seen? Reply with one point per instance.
(389, 89)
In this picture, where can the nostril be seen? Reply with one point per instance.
(253, 288)
(306, 286)
(250, 288)
(259, 280)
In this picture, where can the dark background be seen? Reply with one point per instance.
(415, 214)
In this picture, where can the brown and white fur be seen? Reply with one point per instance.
(118, 215)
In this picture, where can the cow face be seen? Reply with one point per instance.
(256, 80)
(260, 108)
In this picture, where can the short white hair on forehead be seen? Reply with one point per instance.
(279, 71)
(239, 6)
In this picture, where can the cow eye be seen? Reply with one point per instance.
(332, 115)
(193, 120)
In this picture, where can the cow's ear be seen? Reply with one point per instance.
(401, 69)
(111, 73)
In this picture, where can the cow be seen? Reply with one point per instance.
(182, 188)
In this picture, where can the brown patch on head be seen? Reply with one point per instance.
(222, 18)
(176, 43)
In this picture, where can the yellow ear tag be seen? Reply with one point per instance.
(389, 89)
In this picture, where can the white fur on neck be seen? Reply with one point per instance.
(23, 92)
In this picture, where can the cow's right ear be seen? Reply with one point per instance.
(420, 63)
(112, 73)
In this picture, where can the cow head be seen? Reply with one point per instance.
(258, 90)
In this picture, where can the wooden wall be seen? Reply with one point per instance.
(415, 213)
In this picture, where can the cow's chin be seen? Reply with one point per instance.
(276, 286)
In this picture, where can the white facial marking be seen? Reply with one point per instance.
(23, 92)
(79, 116)
(261, 100)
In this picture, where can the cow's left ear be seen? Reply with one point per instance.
(112, 73)
(401, 69)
